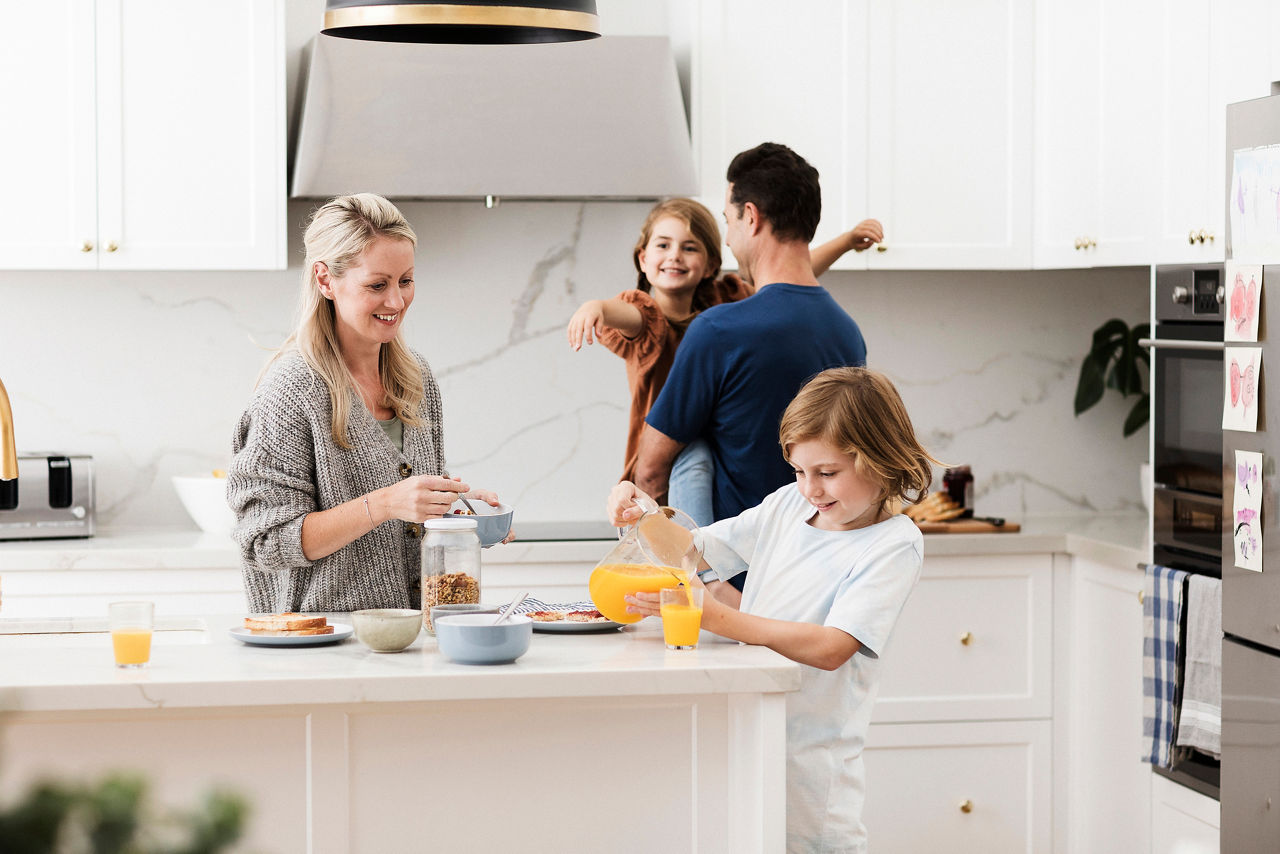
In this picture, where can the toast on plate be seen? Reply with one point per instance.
(286, 623)
(313, 630)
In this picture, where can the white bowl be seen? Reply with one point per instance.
(387, 629)
(205, 500)
(492, 523)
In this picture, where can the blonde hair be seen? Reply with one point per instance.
(858, 411)
(337, 234)
(702, 223)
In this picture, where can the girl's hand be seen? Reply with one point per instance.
(588, 319)
(421, 497)
(621, 504)
(649, 605)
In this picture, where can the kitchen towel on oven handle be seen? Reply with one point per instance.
(1200, 713)
(1161, 620)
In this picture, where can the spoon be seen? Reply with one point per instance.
(506, 612)
(468, 504)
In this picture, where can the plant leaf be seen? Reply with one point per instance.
(1138, 416)
(1092, 383)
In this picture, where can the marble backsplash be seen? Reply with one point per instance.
(148, 372)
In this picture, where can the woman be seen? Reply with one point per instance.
(340, 454)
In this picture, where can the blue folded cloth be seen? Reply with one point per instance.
(1161, 620)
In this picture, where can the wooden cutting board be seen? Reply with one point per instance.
(968, 526)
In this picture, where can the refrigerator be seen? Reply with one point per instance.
(1250, 765)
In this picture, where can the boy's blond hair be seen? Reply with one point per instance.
(858, 411)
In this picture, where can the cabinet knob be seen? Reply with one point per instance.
(1202, 235)
(87, 246)
(1142, 597)
(1079, 244)
(1191, 237)
(966, 638)
(1209, 234)
(966, 806)
(111, 246)
(880, 247)
(1090, 243)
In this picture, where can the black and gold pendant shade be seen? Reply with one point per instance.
(476, 22)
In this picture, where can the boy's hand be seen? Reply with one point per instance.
(586, 321)
(866, 234)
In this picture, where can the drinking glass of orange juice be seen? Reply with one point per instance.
(131, 624)
(681, 609)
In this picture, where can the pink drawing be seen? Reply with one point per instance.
(1244, 302)
(1245, 540)
(1242, 385)
(1247, 473)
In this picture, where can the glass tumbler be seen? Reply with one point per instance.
(131, 624)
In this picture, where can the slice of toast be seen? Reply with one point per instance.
(284, 622)
(313, 630)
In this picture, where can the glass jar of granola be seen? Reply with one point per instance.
(450, 565)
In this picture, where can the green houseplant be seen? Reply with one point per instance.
(1116, 360)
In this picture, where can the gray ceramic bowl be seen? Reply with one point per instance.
(492, 523)
(387, 629)
(438, 611)
(474, 639)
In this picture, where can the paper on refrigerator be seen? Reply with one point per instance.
(1246, 524)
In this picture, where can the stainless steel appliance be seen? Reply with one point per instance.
(53, 496)
(1187, 457)
(1251, 600)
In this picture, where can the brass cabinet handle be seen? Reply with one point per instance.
(1191, 236)
(880, 247)
(87, 246)
(111, 246)
(1090, 243)
(966, 638)
(1142, 597)
(966, 806)
(1079, 243)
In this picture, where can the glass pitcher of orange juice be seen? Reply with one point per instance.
(657, 551)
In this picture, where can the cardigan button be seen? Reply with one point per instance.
(405, 469)
(413, 529)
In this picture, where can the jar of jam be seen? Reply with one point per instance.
(958, 483)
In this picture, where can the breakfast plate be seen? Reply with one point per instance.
(341, 631)
(568, 627)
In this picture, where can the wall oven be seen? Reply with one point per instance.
(1187, 353)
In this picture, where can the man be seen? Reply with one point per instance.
(740, 364)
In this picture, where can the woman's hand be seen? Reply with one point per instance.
(421, 497)
(491, 498)
(588, 319)
(621, 505)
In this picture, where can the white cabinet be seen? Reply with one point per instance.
(1099, 715)
(143, 135)
(1182, 821)
(915, 113)
(959, 755)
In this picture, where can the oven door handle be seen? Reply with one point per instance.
(1179, 344)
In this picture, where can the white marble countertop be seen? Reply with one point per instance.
(194, 668)
(1118, 539)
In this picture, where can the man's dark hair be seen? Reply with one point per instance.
(783, 187)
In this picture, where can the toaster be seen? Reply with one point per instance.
(52, 497)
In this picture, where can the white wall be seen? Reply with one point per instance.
(149, 371)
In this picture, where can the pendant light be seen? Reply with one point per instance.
(477, 22)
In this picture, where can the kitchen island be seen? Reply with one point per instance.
(587, 742)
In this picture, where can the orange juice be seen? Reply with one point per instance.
(611, 581)
(680, 624)
(132, 646)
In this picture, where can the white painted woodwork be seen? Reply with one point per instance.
(1183, 821)
(920, 775)
(156, 136)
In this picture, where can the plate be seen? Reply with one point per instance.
(341, 631)
(567, 628)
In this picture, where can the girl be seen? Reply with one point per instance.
(344, 435)
(677, 258)
(831, 568)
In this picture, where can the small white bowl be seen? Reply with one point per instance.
(205, 500)
(387, 629)
(474, 639)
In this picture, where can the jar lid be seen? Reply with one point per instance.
(457, 523)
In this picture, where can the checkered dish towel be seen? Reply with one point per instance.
(1161, 618)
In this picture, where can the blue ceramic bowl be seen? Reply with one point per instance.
(492, 523)
(474, 639)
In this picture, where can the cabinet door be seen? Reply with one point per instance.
(959, 787)
(793, 73)
(47, 176)
(1184, 821)
(950, 133)
(191, 135)
(1108, 788)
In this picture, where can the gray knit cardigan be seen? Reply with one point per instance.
(286, 465)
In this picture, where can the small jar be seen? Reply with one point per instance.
(958, 482)
(450, 565)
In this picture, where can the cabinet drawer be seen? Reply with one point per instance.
(967, 787)
(974, 642)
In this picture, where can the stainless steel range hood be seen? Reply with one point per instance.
(584, 120)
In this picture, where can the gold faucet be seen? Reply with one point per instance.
(8, 453)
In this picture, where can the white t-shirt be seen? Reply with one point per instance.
(856, 581)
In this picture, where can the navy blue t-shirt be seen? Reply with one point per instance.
(737, 368)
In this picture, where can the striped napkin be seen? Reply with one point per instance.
(531, 604)
(1161, 619)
